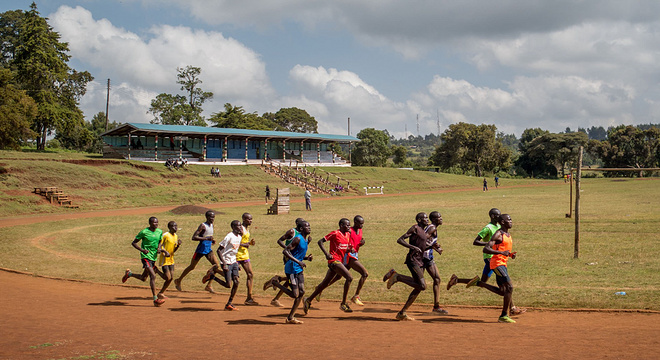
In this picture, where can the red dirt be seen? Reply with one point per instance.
(47, 318)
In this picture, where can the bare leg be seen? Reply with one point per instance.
(360, 269)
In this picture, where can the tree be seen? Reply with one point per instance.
(400, 153)
(41, 67)
(551, 152)
(235, 117)
(178, 109)
(17, 110)
(470, 147)
(373, 148)
(629, 147)
(533, 166)
(10, 24)
(293, 119)
(597, 133)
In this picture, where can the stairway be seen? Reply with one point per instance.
(55, 195)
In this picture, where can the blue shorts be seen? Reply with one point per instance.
(487, 271)
(501, 275)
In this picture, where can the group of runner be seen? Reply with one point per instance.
(341, 255)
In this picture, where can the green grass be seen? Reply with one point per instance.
(618, 235)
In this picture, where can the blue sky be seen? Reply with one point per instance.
(516, 64)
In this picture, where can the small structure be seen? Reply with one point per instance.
(55, 195)
(377, 190)
(281, 205)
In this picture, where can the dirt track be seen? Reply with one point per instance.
(53, 319)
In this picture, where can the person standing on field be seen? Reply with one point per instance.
(308, 200)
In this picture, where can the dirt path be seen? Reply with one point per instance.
(33, 219)
(55, 319)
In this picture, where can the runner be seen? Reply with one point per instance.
(150, 237)
(283, 241)
(418, 243)
(482, 239)
(339, 240)
(227, 253)
(243, 257)
(169, 244)
(500, 246)
(295, 252)
(203, 234)
(351, 259)
(429, 262)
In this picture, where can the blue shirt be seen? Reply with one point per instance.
(299, 253)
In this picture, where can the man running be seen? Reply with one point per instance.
(482, 239)
(283, 241)
(428, 262)
(418, 243)
(295, 252)
(149, 237)
(169, 244)
(203, 234)
(339, 240)
(500, 246)
(351, 259)
(243, 257)
(227, 253)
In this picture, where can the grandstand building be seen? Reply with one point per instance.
(154, 142)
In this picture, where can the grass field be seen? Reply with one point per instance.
(618, 253)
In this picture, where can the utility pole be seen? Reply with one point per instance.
(417, 125)
(107, 102)
(349, 142)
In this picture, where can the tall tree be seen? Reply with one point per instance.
(293, 119)
(10, 24)
(373, 148)
(400, 153)
(235, 117)
(629, 147)
(553, 152)
(17, 111)
(178, 109)
(42, 70)
(470, 147)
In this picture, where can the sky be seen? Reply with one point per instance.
(409, 67)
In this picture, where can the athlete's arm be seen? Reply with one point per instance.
(477, 241)
(287, 235)
(402, 240)
(197, 236)
(496, 239)
(325, 252)
(291, 246)
(135, 245)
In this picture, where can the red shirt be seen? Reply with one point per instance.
(506, 244)
(338, 245)
(356, 239)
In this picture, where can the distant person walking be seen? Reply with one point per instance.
(267, 194)
(308, 199)
(485, 184)
(497, 181)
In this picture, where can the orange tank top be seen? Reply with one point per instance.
(506, 244)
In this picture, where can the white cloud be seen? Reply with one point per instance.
(233, 72)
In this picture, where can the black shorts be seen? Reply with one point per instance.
(501, 275)
(169, 268)
(296, 281)
(232, 271)
(148, 264)
(416, 272)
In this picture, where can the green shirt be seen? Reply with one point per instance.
(486, 233)
(150, 240)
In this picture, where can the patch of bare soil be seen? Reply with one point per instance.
(191, 210)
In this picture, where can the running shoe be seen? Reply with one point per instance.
(293, 321)
(158, 302)
(345, 308)
(392, 280)
(357, 301)
(506, 319)
(389, 275)
(230, 307)
(207, 276)
(318, 298)
(127, 274)
(517, 311)
(209, 288)
(177, 284)
(473, 282)
(306, 305)
(251, 302)
(162, 296)
(404, 317)
(269, 284)
(276, 303)
(453, 280)
(439, 310)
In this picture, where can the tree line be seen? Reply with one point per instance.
(465, 148)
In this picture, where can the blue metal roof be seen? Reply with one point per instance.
(138, 128)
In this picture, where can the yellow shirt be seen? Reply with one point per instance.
(168, 242)
(243, 253)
